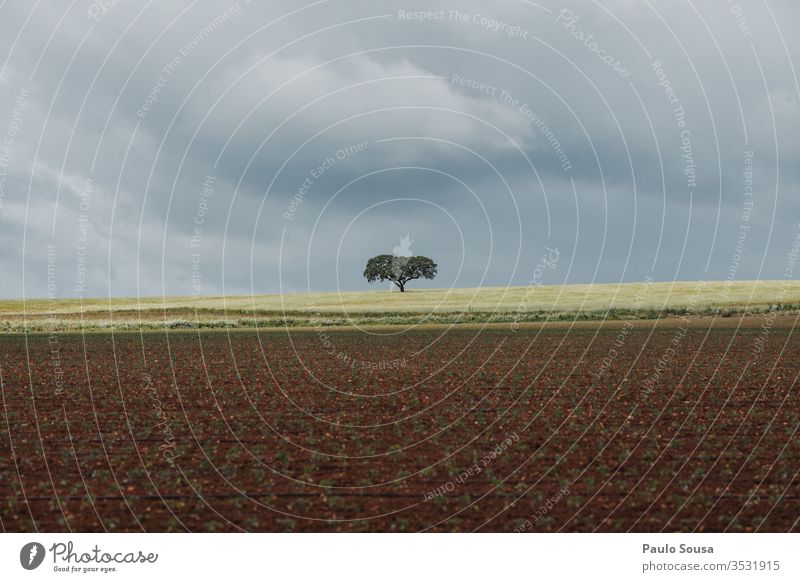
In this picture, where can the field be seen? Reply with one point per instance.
(506, 305)
(687, 424)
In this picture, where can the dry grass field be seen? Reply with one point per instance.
(508, 305)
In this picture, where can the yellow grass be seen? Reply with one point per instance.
(517, 304)
(543, 298)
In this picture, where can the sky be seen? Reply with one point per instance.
(206, 148)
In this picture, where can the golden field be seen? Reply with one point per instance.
(639, 300)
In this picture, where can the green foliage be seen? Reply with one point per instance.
(399, 270)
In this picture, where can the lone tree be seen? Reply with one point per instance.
(399, 270)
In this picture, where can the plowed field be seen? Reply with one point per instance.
(596, 428)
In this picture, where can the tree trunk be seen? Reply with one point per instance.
(402, 287)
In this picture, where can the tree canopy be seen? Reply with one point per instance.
(399, 270)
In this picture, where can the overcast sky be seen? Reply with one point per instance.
(180, 147)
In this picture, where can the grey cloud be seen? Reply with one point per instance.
(616, 138)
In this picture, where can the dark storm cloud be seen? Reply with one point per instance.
(253, 145)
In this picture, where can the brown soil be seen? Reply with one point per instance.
(619, 427)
